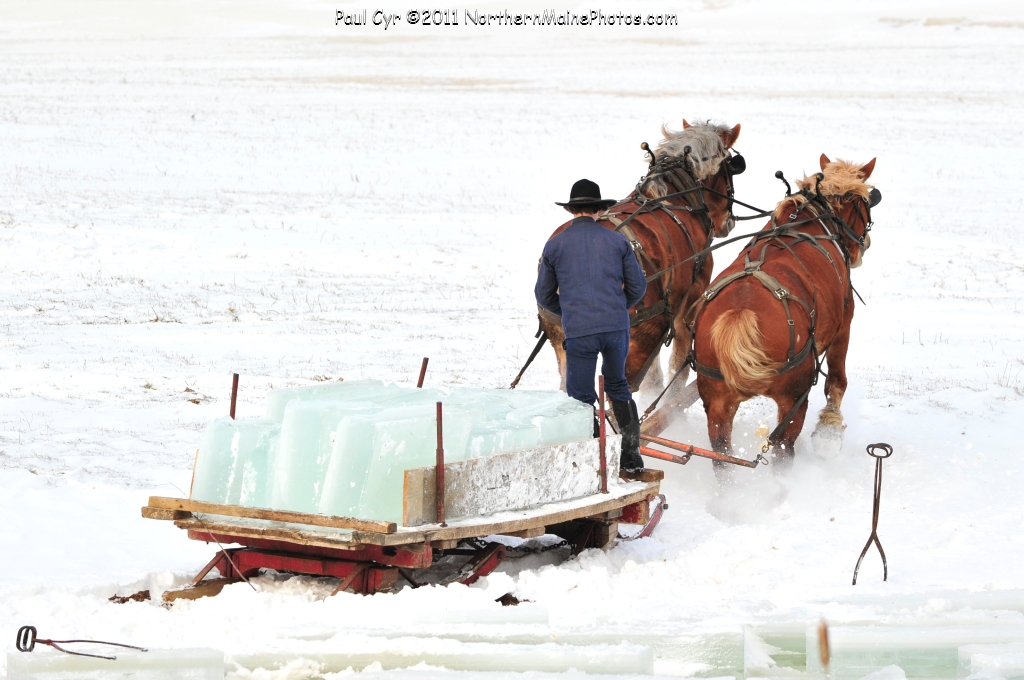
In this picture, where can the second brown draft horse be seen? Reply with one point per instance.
(683, 201)
(761, 326)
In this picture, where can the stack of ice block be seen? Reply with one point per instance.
(343, 448)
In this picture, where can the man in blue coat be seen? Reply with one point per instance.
(590, 277)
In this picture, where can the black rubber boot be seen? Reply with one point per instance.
(597, 424)
(629, 428)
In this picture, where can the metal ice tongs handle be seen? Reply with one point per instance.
(27, 639)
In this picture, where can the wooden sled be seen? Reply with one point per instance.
(552, 490)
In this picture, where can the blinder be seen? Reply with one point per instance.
(874, 198)
(737, 164)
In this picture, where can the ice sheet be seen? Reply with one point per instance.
(931, 651)
(611, 659)
(155, 664)
(990, 662)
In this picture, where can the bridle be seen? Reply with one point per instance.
(732, 163)
(862, 206)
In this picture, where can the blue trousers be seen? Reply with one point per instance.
(581, 362)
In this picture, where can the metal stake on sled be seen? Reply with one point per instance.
(423, 372)
(874, 512)
(234, 395)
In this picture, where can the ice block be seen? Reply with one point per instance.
(256, 467)
(498, 402)
(307, 439)
(493, 433)
(489, 437)
(348, 465)
(233, 459)
(361, 390)
(410, 396)
(407, 438)
(156, 664)
(495, 403)
(353, 447)
(342, 448)
(560, 419)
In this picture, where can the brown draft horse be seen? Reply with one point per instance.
(762, 325)
(684, 200)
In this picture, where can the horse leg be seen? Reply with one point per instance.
(654, 381)
(679, 370)
(679, 396)
(782, 452)
(720, 405)
(556, 334)
(827, 437)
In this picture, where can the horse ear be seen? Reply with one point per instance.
(823, 161)
(729, 138)
(868, 168)
(685, 124)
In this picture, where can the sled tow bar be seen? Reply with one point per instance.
(688, 450)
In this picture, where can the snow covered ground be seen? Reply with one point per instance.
(194, 189)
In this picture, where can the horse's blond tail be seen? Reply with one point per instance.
(740, 349)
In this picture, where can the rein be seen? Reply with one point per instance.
(733, 165)
(778, 230)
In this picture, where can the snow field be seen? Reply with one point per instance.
(201, 189)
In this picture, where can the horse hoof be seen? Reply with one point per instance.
(827, 441)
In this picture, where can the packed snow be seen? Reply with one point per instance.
(193, 189)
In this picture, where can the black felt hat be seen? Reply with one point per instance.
(586, 194)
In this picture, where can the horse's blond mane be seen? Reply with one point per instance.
(842, 178)
(706, 152)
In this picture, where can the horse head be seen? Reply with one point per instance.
(844, 185)
(703, 152)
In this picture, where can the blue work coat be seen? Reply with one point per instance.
(590, 277)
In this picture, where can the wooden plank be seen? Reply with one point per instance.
(546, 519)
(611, 514)
(164, 513)
(659, 421)
(507, 481)
(526, 533)
(418, 495)
(605, 534)
(645, 475)
(465, 528)
(203, 589)
(273, 515)
(297, 536)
